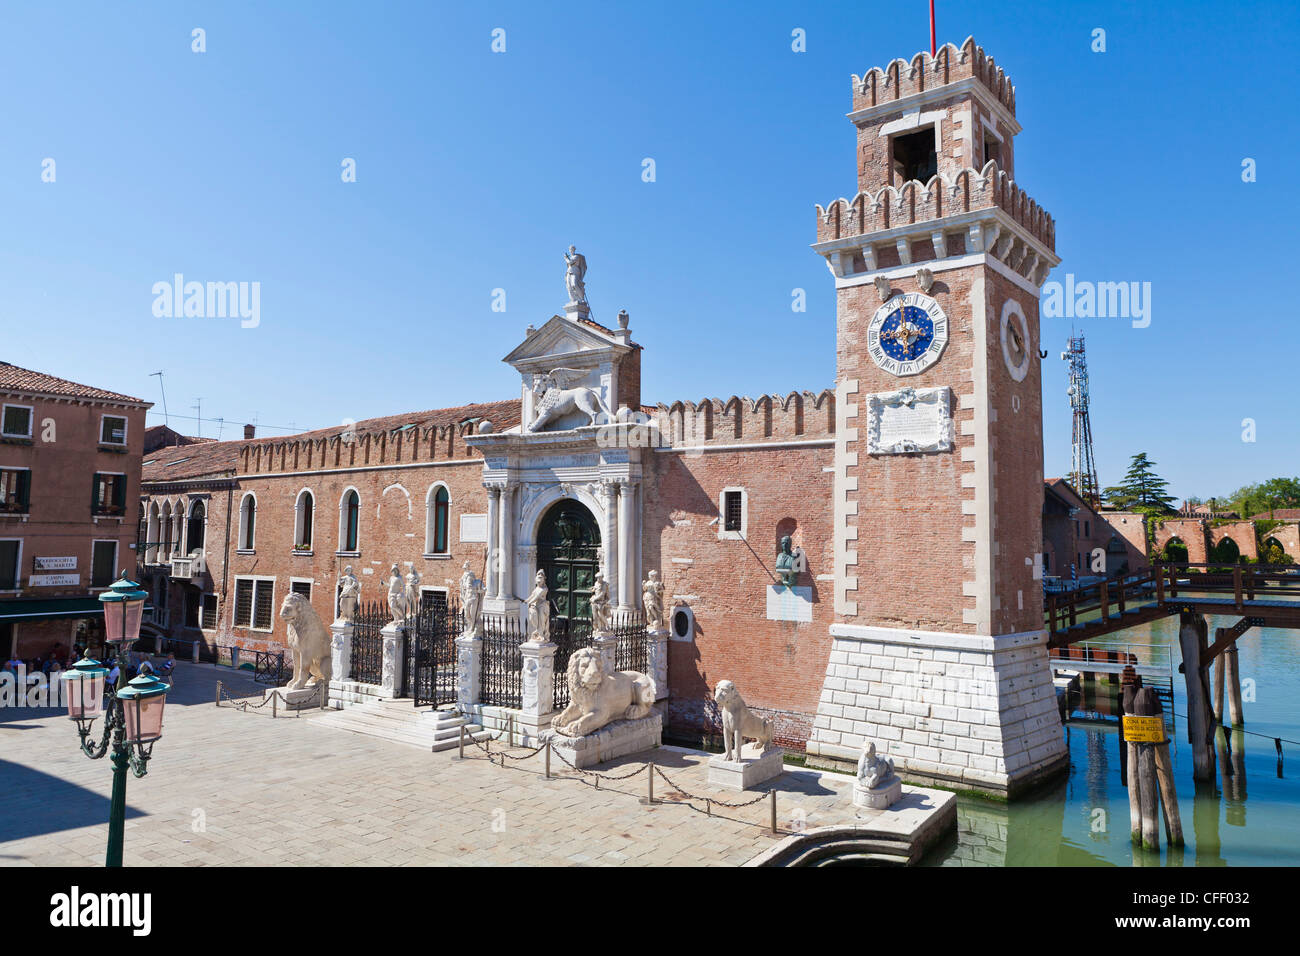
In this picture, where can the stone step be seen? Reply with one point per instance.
(398, 722)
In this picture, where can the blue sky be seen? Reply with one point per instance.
(475, 170)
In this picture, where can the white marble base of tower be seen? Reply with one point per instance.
(969, 710)
(755, 766)
(617, 739)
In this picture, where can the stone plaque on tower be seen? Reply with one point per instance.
(909, 420)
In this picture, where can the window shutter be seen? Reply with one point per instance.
(25, 489)
(243, 603)
(262, 610)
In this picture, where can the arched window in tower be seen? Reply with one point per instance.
(194, 528)
(247, 522)
(349, 520)
(437, 518)
(302, 522)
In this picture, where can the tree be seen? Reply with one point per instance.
(1142, 489)
(1266, 496)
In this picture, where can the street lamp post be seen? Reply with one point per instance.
(132, 714)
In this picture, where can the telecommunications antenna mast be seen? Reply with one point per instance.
(1083, 470)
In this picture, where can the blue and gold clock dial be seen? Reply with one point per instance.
(907, 334)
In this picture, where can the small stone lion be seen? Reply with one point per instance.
(598, 697)
(309, 641)
(738, 723)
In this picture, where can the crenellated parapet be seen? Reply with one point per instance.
(915, 202)
(925, 72)
(359, 448)
(772, 417)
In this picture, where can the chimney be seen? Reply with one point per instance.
(249, 431)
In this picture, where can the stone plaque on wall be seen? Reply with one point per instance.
(909, 420)
(473, 528)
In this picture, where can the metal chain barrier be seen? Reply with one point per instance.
(243, 706)
(711, 801)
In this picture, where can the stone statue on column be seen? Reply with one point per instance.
(349, 595)
(600, 604)
(539, 611)
(396, 596)
(652, 597)
(471, 601)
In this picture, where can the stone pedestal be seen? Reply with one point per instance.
(605, 642)
(881, 797)
(469, 660)
(657, 659)
(538, 678)
(394, 635)
(299, 698)
(754, 767)
(617, 739)
(340, 649)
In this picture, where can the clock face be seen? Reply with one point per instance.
(907, 334)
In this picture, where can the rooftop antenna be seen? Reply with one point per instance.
(933, 49)
(198, 416)
(221, 422)
(166, 420)
(1083, 471)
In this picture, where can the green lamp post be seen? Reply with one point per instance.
(132, 714)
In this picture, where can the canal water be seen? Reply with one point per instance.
(1250, 816)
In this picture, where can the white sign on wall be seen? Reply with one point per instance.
(474, 529)
(53, 580)
(56, 564)
(909, 420)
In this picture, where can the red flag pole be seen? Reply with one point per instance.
(933, 49)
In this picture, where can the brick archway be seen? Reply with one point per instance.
(1242, 534)
(1191, 531)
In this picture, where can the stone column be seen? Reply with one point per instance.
(469, 658)
(340, 658)
(610, 545)
(657, 659)
(394, 635)
(626, 497)
(538, 679)
(493, 543)
(506, 538)
(605, 642)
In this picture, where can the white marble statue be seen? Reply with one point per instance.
(412, 590)
(873, 771)
(349, 595)
(598, 697)
(539, 611)
(575, 275)
(396, 596)
(652, 596)
(600, 604)
(471, 601)
(738, 722)
(555, 395)
(308, 640)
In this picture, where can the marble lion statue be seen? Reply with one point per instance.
(558, 394)
(309, 641)
(598, 697)
(738, 722)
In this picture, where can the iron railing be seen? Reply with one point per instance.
(268, 668)
(503, 661)
(569, 636)
(367, 659)
(631, 653)
(429, 673)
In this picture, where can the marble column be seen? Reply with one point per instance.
(469, 658)
(493, 546)
(538, 678)
(626, 500)
(610, 544)
(340, 659)
(390, 682)
(506, 537)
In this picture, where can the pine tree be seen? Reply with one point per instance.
(1141, 490)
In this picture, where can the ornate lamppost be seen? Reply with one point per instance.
(132, 714)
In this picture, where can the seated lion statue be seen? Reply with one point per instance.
(598, 697)
(738, 722)
(309, 641)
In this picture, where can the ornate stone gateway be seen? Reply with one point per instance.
(568, 552)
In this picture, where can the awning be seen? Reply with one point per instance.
(49, 608)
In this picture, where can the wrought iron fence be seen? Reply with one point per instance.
(568, 636)
(631, 652)
(502, 680)
(430, 669)
(367, 663)
(268, 668)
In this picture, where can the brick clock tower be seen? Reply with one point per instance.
(939, 650)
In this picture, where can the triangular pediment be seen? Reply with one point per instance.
(565, 341)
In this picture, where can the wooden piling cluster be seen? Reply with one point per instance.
(1150, 776)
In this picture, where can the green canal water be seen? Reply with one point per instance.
(1250, 817)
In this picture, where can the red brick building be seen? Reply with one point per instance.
(911, 492)
(69, 498)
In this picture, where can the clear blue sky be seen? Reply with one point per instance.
(476, 170)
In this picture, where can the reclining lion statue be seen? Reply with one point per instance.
(738, 722)
(598, 697)
(309, 641)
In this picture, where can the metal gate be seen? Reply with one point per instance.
(430, 673)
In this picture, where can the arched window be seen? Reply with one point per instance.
(166, 531)
(302, 521)
(194, 528)
(151, 535)
(349, 520)
(247, 522)
(437, 508)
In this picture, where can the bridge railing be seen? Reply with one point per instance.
(1065, 608)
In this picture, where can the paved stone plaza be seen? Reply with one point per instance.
(241, 788)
